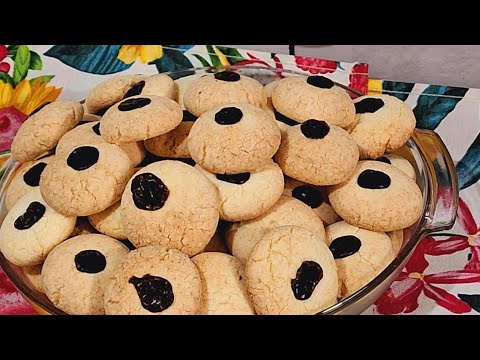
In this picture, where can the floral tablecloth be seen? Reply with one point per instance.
(443, 276)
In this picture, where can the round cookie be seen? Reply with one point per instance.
(317, 153)
(27, 178)
(157, 85)
(314, 97)
(291, 271)
(34, 276)
(89, 133)
(140, 118)
(224, 290)
(109, 222)
(222, 88)
(216, 244)
(43, 129)
(172, 204)
(32, 229)
(360, 255)
(87, 180)
(154, 280)
(233, 139)
(247, 195)
(397, 240)
(313, 196)
(182, 84)
(400, 163)
(82, 227)
(241, 237)
(377, 197)
(383, 124)
(284, 123)
(75, 273)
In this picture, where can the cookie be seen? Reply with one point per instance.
(383, 124)
(400, 163)
(223, 88)
(397, 240)
(89, 133)
(284, 123)
(43, 129)
(216, 244)
(32, 229)
(360, 255)
(82, 227)
(139, 118)
(27, 178)
(302, 98)
(34, 276)
(75, 273)
(317, 153)
(241, 237)
(172, 204)
(291, 271)
(247, 195)
(154, 280)
(233, 139)
(223, 285)
(87, 180)
(109, 222)
(377, 197)
(156, 85)
(182, 84)
(313, 196)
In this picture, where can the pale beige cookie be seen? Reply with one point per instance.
(284, 123)
(397, 240)
(43, 129)
(87, 180)
(139, 118)
(27, 177)
(241, 237)
(247, 195)
(383, 124)
(378, 197)
(82, 227)
(87, 117)
(360, 255)
(34, 276)
(313, 196)
(154, 280)
(226, 87)
(224, 290)
(233, 139)
(172, 204)
(291, 272)
(216, 244)
(317, 153)
(157, 85)
(75, 273)
(32, 229)
(400, 163)
(109, 222)
(182, 84)
(314, 97)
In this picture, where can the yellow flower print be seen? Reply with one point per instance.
(147, 53)
(223, 59)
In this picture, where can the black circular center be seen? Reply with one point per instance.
(368, 105)
(32, 176)
(238, 179)
(373, 179)
(83, 157)
(315, 129)
(384, 159)
(320, 82)
(308, 276)
(149, 192)
(228, 116)
(187, 116)
(155, 292)
(227, 76)
(96, 129)
(132, 104)
(345, 246)
(33, 213)
(90, 261)
(308, 195)
(135, 89)
(40, 108)
(284, 119)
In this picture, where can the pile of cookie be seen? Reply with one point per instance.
(209, 194)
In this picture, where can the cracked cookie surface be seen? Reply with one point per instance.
(109, 222)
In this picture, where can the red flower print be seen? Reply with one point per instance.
(255, 60)
(10, 121)
(359, 78)
(4, 67)
(316, 66)
(11, 302)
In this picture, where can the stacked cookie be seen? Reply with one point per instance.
(122, 225)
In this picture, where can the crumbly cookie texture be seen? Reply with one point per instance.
(400, 163)
(34, 275)
(377, 197)
(291, 271)
(396, 237)
(87, 181)
(159, 85)
(172, 144)
(383, 125)
(223, 285)
(241, 237)
(42, 130)
(360, 255)
(109, 222)
(32, 229)
(154, 280)
(295, 98)
(233, 139)
(181, 85)
(248, 195)
(74, 274)
(172, 204)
